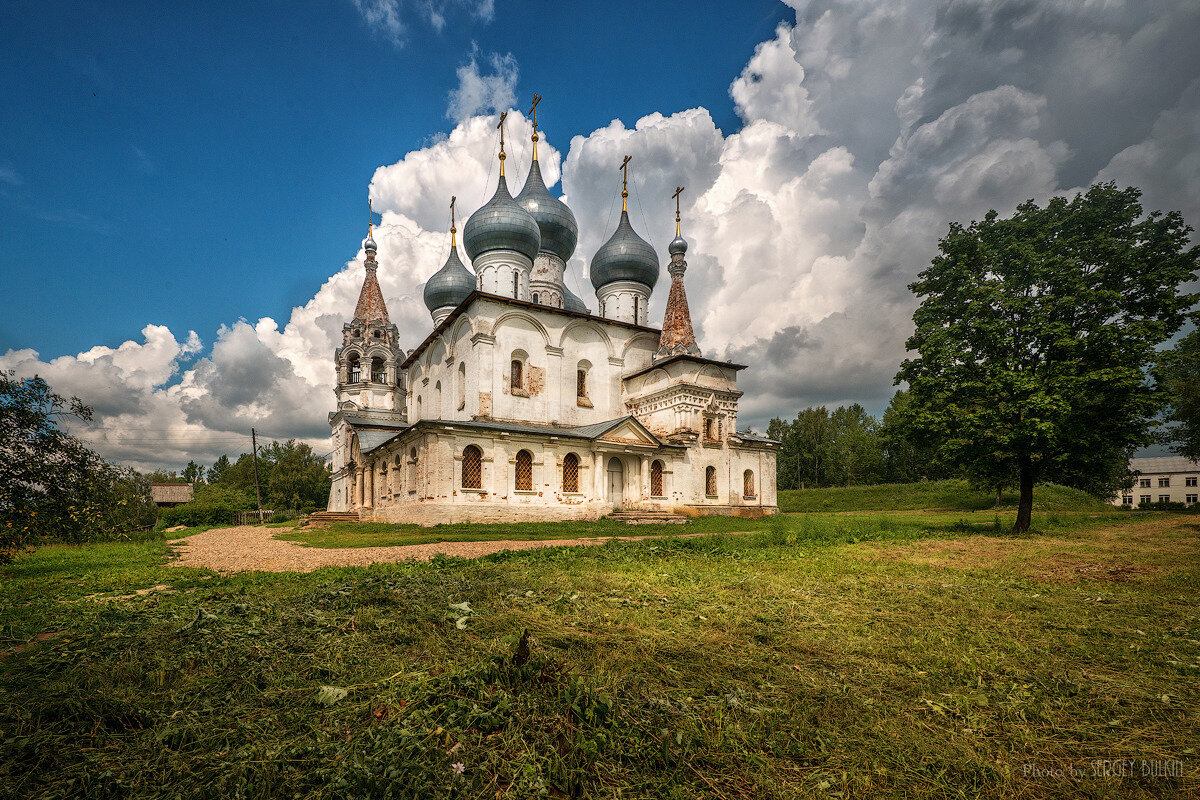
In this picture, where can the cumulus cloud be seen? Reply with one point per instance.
(386, 17)
(866, 128)
(484, 93)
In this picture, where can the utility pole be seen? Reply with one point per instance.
(257, 494)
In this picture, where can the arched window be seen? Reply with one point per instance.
(581, 381)
(462, 385)
(419, 408)
(437, 401)
(535, 297)
(571, 473)
(412, 470)
(710, 481)
(355, 368)
(517, 378)
(748, 484)
(397, 473)
(656, 475)
(472, 468)
(636, 308)
(377, 373)
(524, 477)
(516, 285)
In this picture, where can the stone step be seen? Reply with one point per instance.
(634, 517)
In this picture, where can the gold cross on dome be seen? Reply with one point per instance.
(625, 182)
(500, 125)
(453, 230)
(537, 98)
(678, 191)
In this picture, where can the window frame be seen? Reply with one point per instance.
(710, 481)
(523, 459)
(472, 459)
(570, 473)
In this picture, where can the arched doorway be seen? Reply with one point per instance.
(616, 482)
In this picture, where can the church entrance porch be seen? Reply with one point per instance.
(616, 483)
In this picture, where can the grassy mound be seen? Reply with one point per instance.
(951, 495)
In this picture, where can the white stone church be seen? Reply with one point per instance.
(521, 404)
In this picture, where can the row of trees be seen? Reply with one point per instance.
(848, 446)
(290, 476)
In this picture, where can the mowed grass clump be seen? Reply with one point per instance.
(954, 495)
(791, 662)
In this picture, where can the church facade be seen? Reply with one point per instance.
(521, 404)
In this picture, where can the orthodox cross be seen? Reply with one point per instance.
(678, 191)
(453, 230)
(625, 182)
(370, 215)
(537, 98)
(500, 125)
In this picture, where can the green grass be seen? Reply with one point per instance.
(949, 494)
(919, 661)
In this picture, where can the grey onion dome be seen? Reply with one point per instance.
(501, 224)
(450, 285)
(625, 257)
(573, 303)
(678, 245)
(369, 244)
(560, 232)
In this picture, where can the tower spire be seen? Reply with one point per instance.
(537, 98)
(503, 116)
(625, 183)
(677, 334)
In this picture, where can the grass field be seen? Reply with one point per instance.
(953, 495)
(819, 656)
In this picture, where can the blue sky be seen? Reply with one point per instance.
(190, 164)
(183, 188)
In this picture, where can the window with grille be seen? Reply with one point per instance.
(581, 383)
(656, 482)
(571, 473)
(377, 371)
(355, 370)
(710, 481)
(524, 481)
(517, 369)
(748, 484)
(472, 468)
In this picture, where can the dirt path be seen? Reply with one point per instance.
(251, 547)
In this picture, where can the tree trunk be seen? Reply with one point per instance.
(1025, 506)
(999, 489)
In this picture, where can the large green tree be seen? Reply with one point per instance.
(52, 487)
(1179, 377)
(1034, 333)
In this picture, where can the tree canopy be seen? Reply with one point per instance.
(1034, 336)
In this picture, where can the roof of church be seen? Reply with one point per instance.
(370, 439)
(478, 295)
(586, 432)
(370, 306)
(683, 357)
(751, 436)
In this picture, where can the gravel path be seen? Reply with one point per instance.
(251, 547)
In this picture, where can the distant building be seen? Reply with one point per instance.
(166, 495)
(1171, 479)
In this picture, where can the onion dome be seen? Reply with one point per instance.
(450, 285)
(625, 257)
(501, 224)
(573, 303)
(369, 244)
(557, 224)
(678, 245)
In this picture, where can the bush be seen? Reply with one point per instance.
(280, 517)
(308, 510)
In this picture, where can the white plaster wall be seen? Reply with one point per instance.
(616, 301)
(495, 269)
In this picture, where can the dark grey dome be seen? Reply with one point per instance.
(369, 244)
(677, 245)
(501, 224)
(625, 257)
(557, 224)
(450, 285)
(573, 303)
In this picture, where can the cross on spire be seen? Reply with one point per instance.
(453, 230)
(678, 191)
(370, 216)
(500, 125)
(533, 113)
(625, 183)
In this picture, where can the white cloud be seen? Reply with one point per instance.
(383, 17)
(480, 93)
(387, 17)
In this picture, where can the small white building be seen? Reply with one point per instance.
(521, 404)
(1171, 479)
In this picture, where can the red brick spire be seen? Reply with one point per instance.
(370, 306)
(677, 335)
